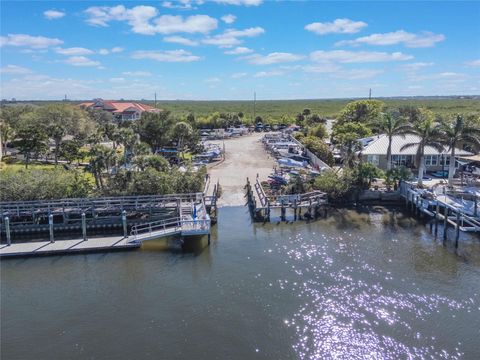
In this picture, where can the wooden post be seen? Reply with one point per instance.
(295, 209)
(445, 223)
(437, 209)
(50, 226)
(475, 209)
(124, 224)
(419, 206)
(84, 227)
(7, 230)
(457, 233)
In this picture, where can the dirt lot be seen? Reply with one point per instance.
(245, 157)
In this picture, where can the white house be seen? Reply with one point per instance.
(375, 152)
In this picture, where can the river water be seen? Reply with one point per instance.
(356, 285)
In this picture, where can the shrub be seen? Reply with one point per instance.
(319, 148)
(57, 183)
(335, 185)
(365, 173)
(319, 131)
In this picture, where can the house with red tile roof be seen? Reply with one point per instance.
(121, 110)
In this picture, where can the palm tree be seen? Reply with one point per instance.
(181, 132)
(455, 132)
(100, 159)
(389, 123)
(429, 133)
(128, 138)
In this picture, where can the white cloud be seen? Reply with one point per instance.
(339, 26)
(35, 42)
(117, 80)
(182, 4)
(231, 37)
(228, 19)
(53, 14)
(239, 51)
(421, 40)
(144, 20)
(272, 58)
(169, 24)
(239, 2)
(343, 56)
(81, 61)
(213, 80)
(180, 40)
(113, 50)
(137, 73)
(413, 67)
(239, 75)
(321, 68)
(14, 69)
(73, 51)
(357, 74)
(166, 56)
(262, 74)
(473, 63)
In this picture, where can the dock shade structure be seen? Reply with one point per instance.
(375, 152)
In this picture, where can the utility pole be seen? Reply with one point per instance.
(370, 94)
(254, 105)
(155, 99)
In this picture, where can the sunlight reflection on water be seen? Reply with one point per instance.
(344, 315)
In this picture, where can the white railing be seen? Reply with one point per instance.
(148, 230)
(169, 227)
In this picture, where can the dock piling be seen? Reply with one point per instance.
(457, 228)
(437, 209)
(124, 223)
(50, 226)
(445, 223)
(84, 226)
(7, 230)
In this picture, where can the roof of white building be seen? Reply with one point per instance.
(379, 144)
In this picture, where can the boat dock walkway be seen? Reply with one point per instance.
(139, 233)
(67, 246)
(191, 218)
(447, 207)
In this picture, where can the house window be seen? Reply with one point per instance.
(431, 160)
(447, 160)
(373, 159)
(400, 160)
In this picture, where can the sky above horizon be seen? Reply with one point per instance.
(226, 49)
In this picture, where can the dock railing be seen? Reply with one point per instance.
(150, 229)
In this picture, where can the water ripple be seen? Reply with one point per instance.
(351, 306)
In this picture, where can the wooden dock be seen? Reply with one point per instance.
(261, 206)
(442, 208)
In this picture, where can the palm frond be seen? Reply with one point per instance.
(408, 146)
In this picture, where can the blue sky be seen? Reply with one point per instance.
(224, 49)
